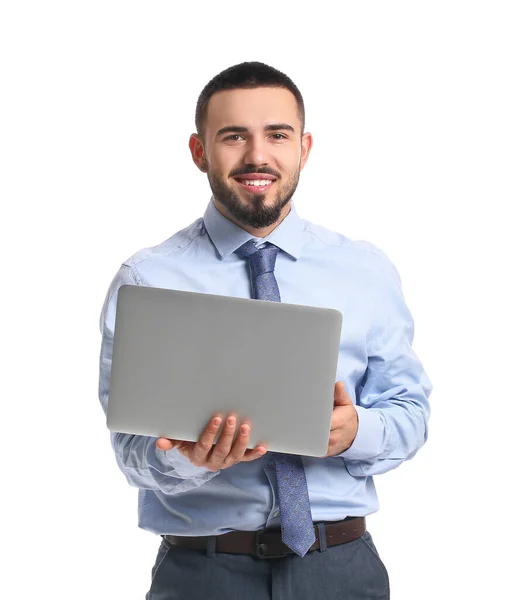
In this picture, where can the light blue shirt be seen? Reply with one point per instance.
(377, 364)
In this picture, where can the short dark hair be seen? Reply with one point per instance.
(246, 75)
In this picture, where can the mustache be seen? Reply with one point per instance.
(263, 171)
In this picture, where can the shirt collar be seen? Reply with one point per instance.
(228, 237)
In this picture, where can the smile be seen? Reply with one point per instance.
(255, 185)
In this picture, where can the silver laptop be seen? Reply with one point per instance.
(179, 357)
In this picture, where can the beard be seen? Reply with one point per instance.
(255, 213)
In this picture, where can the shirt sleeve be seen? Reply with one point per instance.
(144, 465)
(392, 403)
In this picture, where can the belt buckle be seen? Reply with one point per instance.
(261, 548)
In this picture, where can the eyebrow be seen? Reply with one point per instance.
(237, 129)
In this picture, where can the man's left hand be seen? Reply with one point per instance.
(344, 423)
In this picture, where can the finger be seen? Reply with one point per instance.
(329, 452)
(165, 443)
(335, 421)
(338, 418)
(341, 398)
(240, 445)
(331, 445)
(225, 442)
(339, 389)
(205, 442)
(257, 452)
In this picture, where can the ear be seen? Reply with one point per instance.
(306, 145)
(197, 152)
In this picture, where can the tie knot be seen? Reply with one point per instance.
(261, 260)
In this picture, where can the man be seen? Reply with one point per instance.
(211, 503)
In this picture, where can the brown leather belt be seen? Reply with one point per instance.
(268, 543)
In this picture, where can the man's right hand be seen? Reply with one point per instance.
(224, 453)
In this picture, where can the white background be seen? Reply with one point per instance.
(411, 105)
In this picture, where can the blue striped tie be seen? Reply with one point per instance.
(296, 520)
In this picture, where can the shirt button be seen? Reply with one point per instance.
(276, 513)
(271, 464)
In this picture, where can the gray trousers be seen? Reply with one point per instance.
(351, 571)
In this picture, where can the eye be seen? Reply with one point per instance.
(281, 136)
(232, 138)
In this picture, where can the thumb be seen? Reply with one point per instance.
(341, 398)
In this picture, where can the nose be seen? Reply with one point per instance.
(255, 152)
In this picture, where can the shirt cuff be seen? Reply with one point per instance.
(368, 442)
(183, 467)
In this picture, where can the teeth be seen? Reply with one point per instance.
(258, 183)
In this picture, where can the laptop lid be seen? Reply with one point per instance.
(179, 357)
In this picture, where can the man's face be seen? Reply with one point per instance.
(253, 153)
